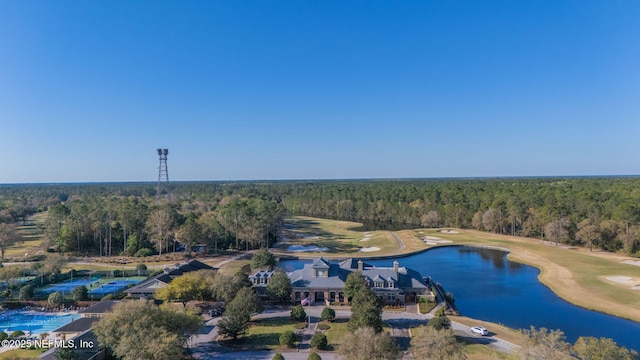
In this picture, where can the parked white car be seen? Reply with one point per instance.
(479, 330)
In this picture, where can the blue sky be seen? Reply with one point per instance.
(242, 90)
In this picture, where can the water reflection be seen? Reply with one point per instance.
(488, 286)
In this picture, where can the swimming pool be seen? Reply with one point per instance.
(33, 321)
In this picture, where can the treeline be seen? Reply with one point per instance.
(99, 220)
(594, 212)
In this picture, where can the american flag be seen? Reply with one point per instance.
(304, 301)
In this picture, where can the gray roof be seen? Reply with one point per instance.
(150, 285)
(320, 263)
(77, 326)
(99, 308)
(262, 274)
(304, 277)
(405, 278)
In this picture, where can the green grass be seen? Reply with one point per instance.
(575, 274)
(426, 307)
(33, 241)
(340, 238)
(234, 266)
(336, 334)
(21, 354)
(265, 334)
(481, 352)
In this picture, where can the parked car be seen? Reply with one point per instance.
(479, 330)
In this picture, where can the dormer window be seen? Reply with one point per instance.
(378, 284)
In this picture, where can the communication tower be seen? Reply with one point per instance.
(163, 174)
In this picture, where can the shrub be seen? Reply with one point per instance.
(323, 327)
(319, 341)
(288, 338)
(313, 356)
(328, 314)
(141, 267)
(298, 313)
(263, 259)
(143, 252)
(277, 356)
(440, 322)
(300, 326)
(422, 300)
(16, 334)
(79, 293)
(26, 293)
(3, 336)
(55, 298)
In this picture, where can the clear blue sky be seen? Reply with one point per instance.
(241, 90)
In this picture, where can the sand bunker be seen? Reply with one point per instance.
(300, 248)
(370, 249)
(447, 231)
(433, 240)
(619, 279)
(367, 237)
(632, 262)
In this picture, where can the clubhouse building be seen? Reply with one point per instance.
(323, 281)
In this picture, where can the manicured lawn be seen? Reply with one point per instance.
(335, 335)
(481, 352)
(500, 331)
(234, 266)
(575, 274)
(20, 354)
(265, 334)
(340, 238)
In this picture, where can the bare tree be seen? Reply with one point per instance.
(435, 344)
(8, 236)
(159, 227)
(366, 344)
(558, 230)
(588, 233)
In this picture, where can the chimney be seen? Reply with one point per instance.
(360, 265)
(166, 270)
(395, 267)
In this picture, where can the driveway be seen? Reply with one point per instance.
(204, 345)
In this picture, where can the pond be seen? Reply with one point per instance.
(488, 286)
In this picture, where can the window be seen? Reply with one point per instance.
(379, 284)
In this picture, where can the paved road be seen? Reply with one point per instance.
(205, 346)
(400, 242)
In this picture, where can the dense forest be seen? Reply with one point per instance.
(113, 218)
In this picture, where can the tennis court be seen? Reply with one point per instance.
(67, 286)
(103, 288)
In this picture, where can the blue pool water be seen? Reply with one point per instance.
(488, 286)
(33, 321)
